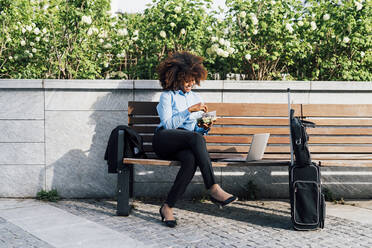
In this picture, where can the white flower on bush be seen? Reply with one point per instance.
(255, 31)
(120, 74)
(28, 28)
(313, 25)
(103, 34)
(248, 56)
(107, 46)
(34, 50)
(23, 30)
(172, 24)
(123, 32)
(101, 40)
(163, 34)
(254, 18)
(289, 27)
(33, 25)
(87, 20)
(32, 44)
(222, 53)
(273, 2)
(106, 64)
(30, 55)
(45, 39)
(222, 41)
(214, 39)
(214, 48)
(121, 55)
(300, 23)
(183, 31)
(242, 14)
(23, 43)
(362, 54)
(36, 31)
(346, 39)
(135, 32)
(230, 50)
(27, 51)
(90, 31)
(44, 30)
(135, 38)
(177, 9)
(209, 29)
(358, 5)
(326, 17)
(10, 58)
(227, 43)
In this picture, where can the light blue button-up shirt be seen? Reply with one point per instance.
(173, 110)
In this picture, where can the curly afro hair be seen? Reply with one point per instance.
(181, 67)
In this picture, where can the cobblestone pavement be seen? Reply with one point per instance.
(11, 236)
(202, 224)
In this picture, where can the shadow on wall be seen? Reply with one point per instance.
(81, 172)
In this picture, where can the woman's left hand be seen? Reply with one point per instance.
(206, 126)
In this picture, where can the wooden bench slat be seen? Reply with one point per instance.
(132, 120)
(340, 131)
(346, 163)
(252, 109)
(214, 164)
(346, 122)
(340, 149)
(337, 110)
(339, 140)
(142, 108)
(321, 157)
(252, 121)
(135, 120)
(324, 163)
(248, 130)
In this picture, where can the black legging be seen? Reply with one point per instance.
(191, 150)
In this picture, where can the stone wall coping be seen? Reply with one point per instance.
(205, 85)
(21, 83)
(88, 84)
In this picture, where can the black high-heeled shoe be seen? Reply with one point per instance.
(168, 223)
(221, 204)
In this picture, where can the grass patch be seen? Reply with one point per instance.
(51, 196)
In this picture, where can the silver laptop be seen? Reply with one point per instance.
(256, 151)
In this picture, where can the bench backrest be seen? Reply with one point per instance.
(232, 133)
(343, 135)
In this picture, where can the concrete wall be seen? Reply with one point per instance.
(53, 135)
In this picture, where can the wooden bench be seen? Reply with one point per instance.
(343, 137)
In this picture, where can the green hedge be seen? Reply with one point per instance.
(257, 40)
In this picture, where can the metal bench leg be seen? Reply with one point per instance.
(124, 180)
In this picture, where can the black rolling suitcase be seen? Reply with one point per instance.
(305, 190)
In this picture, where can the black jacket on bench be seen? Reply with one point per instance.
(133, 147)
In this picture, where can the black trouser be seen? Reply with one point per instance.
(191, 150)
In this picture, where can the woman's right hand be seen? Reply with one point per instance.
(198, 107)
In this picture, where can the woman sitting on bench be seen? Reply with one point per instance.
(178, 136)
